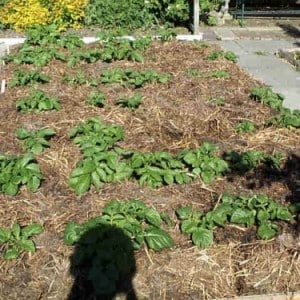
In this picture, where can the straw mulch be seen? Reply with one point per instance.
(181, 114)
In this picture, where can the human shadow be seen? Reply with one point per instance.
(103, 265)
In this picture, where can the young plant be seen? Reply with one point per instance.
(141, 223)
(265, 95)
(95, 137)
(24, 77)
(251, 159)
(195, 224)
(16, 171)
(203, 163)
(35, 141)
(228, 55)
(131, 102)
(258, 210)
(158, 168)
(37, 101)
(219, 74)
(17, 240)
(80, 79)
(286, 118)
(166, 34)
(105, 245)
(102, 167)
(96, 99)
(245, 127)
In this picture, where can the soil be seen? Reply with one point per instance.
(179, 115)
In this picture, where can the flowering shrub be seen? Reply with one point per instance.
(23, 14)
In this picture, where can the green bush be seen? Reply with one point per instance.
(133, 14)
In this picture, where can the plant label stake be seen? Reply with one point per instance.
(3, 84)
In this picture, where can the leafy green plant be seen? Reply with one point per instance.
(80, 79)
(94, 136)
(245, 126)
(203, 163)
(213, 74)
(38, 101)
(219, 74)
(132, 102)
(228, 55)
(158, 168)
(258, 210)
(35, 141)
(25, 77)
(96, 99)
(286, 118)
(166, 34)
(141, 223)
(50, 35)
(89, 55)
(251, 159)
(17, 239)
(38, 56)
(103, 167)
(132, 77)
(16, 171)
(265, 95)
(195, 224)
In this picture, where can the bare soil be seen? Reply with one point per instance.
(181, 114)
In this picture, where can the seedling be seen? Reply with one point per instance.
(131, 102)
(24, 77)
(228, 55)
(17, 240)
(243, 210)
(105, 244)
(286, 118)
(37, 101)
(96, 99)
(265, 95)
(203, 163)
(16, 171)
(245, 127)
(35, 141)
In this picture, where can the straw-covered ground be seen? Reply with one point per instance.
(178, 115)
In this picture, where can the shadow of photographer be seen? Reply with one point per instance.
(103, 265)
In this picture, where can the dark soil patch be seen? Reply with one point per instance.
(181, 114)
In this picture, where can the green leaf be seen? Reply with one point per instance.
(265, 231)
(203, 237)
(22, 133)
(184, 212)
(10, 189)
(283, 214)
(27, 245)
(33, 167)
(37, 148)
(33, 183)
(11, 253)
(189, 226)
(16, 230)
(158, 239)
(4, 235)
(32, 229)
(242, 216)
(83, 184)
(169, 179)
(153, 217)
(263, 216)
(72, 233)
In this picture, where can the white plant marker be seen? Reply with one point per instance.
(3, 84)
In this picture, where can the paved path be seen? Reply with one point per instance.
(259, 59)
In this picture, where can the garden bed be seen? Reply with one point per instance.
(203, 100)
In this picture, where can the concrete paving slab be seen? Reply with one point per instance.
(224, 34)
(268, 68)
